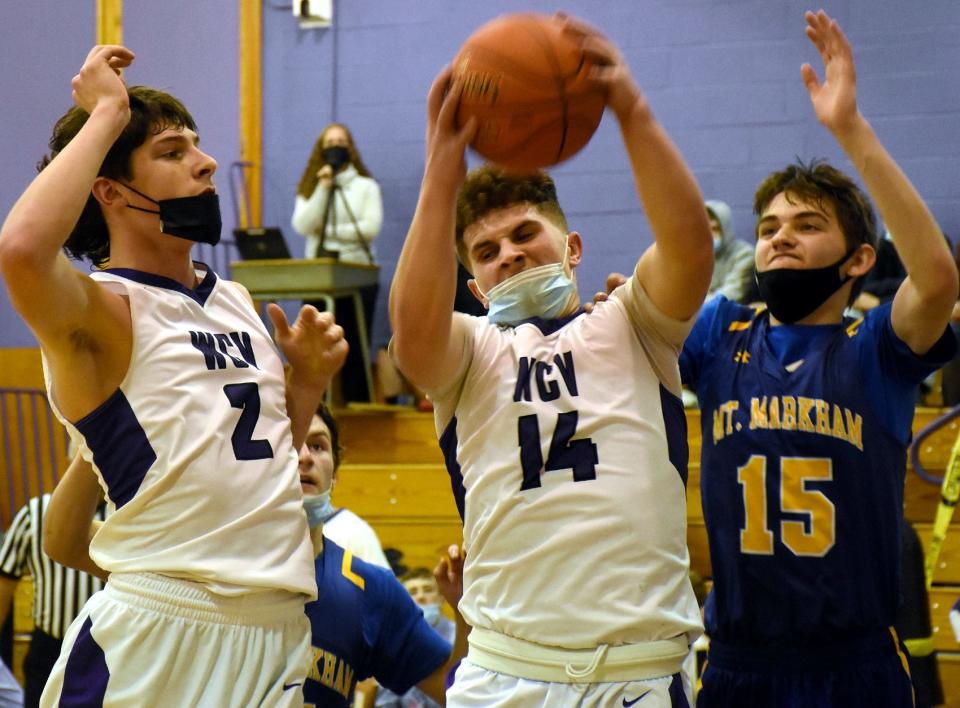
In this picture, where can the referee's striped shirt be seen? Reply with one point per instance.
(58, 592)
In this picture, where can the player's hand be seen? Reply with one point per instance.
(446, 144)
(835, 100)
(314, 344)
(614, 281)
(449, 575)
(99, 82)
(325, 175)
(610, 69)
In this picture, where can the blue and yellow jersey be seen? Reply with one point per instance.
(364, 624)
(805, 430)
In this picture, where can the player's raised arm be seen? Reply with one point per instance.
(54, 298)
(923, 303)
(425, 343)
(676, 270)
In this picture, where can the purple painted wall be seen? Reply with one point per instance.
(721, 75)
(185, 47)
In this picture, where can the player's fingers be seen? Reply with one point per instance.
(437, 91)
(614, 281)
(451, 102)
(279, 319)
(576, 26)
(440, 571)
(810, 79)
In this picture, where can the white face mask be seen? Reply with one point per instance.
(431, 613)
(318, 508)
(544, 291)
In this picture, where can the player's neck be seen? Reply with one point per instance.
(170, 260)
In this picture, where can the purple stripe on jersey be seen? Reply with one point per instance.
(548, 327)
(675, 424)
(86, 676)
(120, 447)
(678, 697)
(448, 444)
(199, 294)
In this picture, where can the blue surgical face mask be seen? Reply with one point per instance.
(544, 291)
(318, 508)
(431, 613)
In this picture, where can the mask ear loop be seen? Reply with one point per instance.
(137, 191)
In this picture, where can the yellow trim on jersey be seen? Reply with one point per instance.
(736, 326)
(346, 569)
(903, 657)
(853, 327)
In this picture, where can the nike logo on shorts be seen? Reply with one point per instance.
(627, 703)
(288, 686)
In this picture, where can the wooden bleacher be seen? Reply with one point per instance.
(393, 476)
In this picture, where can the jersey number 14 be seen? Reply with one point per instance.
(579, 455)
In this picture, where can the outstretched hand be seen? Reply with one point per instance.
(446, 143)
(614, 281)
(313, 344)
(610, 69)
(835, 100)
(449, 575)
(99, 81)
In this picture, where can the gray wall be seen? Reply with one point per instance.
(722, 76)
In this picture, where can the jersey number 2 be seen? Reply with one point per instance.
(246, 397)
(581, 455)
(815, 534)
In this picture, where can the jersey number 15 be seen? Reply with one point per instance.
(815, 533)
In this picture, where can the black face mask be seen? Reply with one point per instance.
(336, 157)
(195, 218)
(791, 294)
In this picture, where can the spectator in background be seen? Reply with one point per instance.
(337, 192)
(423, 588)
(58, 592)
(320, 459)
(733, 264)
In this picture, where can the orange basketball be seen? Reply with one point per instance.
(525, 80)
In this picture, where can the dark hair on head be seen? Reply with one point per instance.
(151, 112)
(327, 417)
(417, 573)
(490, 187)
(819, 182)
(309, 179)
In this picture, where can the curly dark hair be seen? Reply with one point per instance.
(490, 187)
(151, 112)
(818, 182)
(309, 179)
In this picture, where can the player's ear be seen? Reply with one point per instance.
(105, 192)
(861, 261)
(575, 246)
(477, 293)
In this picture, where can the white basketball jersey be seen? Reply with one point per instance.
(194, 449)
(570, 439)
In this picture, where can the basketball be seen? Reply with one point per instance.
(526, 82)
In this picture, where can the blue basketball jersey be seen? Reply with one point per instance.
(364, 623)
(804, 433)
